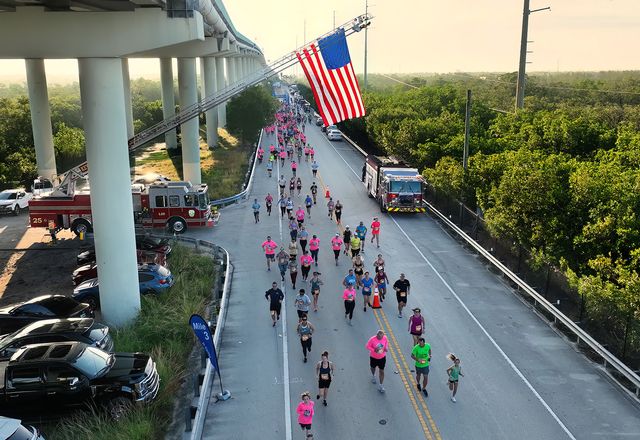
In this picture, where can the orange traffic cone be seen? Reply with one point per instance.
(327, 194)
(376, 299)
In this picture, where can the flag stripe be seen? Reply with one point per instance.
(335, 89)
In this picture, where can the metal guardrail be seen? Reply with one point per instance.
(609, 359)
(248, 184)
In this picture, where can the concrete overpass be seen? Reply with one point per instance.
(102, 35)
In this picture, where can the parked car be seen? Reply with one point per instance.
(71, 374)
(14, 201)
(13, 429)
(16, 316)
(41, 186)
(90, 270)
(329, 128)
(153, 279)
(319, 121)
(147, 243)
(85, 330)
(334, 135)
(147, 251)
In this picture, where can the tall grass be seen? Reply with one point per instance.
(162, 330)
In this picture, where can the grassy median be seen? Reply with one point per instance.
(162, 329)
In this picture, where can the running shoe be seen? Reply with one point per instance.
(453, 399)
(373, 379)
(424, 391)
(419, 387)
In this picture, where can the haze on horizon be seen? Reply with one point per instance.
(412, 36)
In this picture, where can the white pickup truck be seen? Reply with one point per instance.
(13, 201)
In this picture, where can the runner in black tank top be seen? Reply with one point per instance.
(324, 370)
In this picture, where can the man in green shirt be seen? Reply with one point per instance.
(421, 353)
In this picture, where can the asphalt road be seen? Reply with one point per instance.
(521, 380)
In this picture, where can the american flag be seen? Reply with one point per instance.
(327, 65)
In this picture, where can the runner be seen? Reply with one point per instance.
(283, 261)
(346, 238)
(367, 284)
(402, 287)
(302, 304)
(314, 247)
(299, 186)
(358, 268)
(294, 167)
(324, 371)
(416, 325)
(355, 245)
(303, 236)
(378, 263)
(349, 297)
(293, 271)
(314, 168)
(293, 250)
(305, 413)
(377, 346)
(454, 372)
(269, 247)
(312, 153)
(256, 210)
(260, 154)
(289, 207)
(268, 202)
(300, 216)
(314, 191)
(330, 206)
(349, 279)
(308, 202)
(421, 353)
(282, 203)
(292, 186)
(293, 228)
(299, 151)
(381, 280)
(361, 232)
(270, 166)
(282, 155)
(305, 330)
(316, 282)
(306, 153)
(275, 297)
(306, 261)
(336, 245)
(338, 209)
(282, 183)
(375, 231)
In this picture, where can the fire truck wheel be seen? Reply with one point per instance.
(81, 225)
(177, 225)
(382, 208)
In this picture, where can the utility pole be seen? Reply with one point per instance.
(467, 126)
(523, 53)
(366, 11)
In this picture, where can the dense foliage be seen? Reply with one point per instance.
(251, 110)
(561, 178)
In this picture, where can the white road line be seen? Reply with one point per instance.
(493, 341)
(285, 345)
(495, 344)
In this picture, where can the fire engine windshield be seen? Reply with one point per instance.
(405, 186)
(203, 201)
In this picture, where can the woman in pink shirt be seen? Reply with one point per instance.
(294, 167)
(336, 245)
(282, 155)
(305, 412)
(377, 346)
(312, 152)
(306, 261)
(314, 247)
(349, 297)
(269, 247)
(300, 216)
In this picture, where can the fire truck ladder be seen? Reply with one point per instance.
(68, 179)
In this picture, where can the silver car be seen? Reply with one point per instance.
(334, 135)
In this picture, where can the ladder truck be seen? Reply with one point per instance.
(173, 205)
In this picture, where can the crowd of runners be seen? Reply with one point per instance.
(301, 256)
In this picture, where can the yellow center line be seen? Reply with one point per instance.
(407, 386)
(434, 428)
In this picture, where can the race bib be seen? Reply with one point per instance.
(324, 376)
(418, 328)
(305, 337)
(350, 296)
(316, 291)
(403, 294)
(423, 361)
(306, 413)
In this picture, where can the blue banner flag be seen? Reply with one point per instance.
(203, 333)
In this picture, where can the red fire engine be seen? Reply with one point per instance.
(172, 205)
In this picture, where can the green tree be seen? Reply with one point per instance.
(251, 110)
(69, 145)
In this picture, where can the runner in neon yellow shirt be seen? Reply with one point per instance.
(421, 353)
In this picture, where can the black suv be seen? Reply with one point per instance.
(67, 374)
(16, 316)
(85, 330)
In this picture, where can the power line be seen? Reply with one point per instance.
(398, 81)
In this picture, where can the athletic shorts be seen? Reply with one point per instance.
(306, 426)
(401, 299)
(275, 308)
(359, 271)
(271, 257)
(380, 363)
(365, 293)
(453, 381)
(324, 383)
(422, 370)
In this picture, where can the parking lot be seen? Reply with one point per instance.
(30, 264)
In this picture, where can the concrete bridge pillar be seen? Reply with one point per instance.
(127, 97)
(41, 118)
(210, 87)
(190, 136)
(168, 100)
(221, 82)
(104, 118)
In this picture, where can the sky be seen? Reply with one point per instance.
(409, 36)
